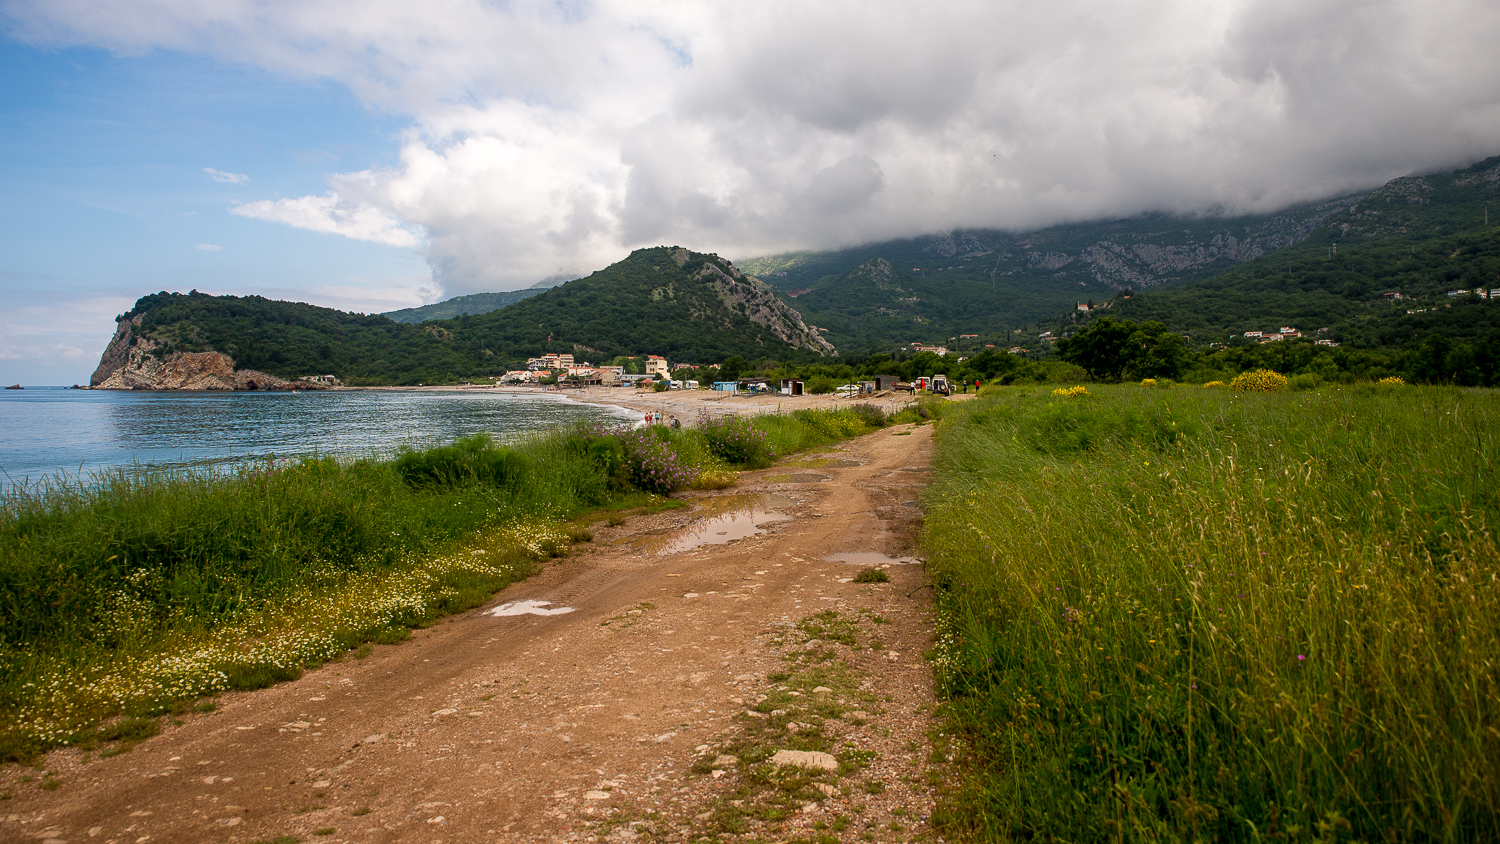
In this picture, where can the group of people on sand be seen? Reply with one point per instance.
(671, 421)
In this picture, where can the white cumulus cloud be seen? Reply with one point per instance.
(208, 247)
(332, 214)
(226, 177)
(545, 136)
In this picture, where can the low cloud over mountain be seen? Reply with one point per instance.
(549, 135)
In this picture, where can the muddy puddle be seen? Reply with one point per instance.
(870, 558)
(798, 478)
(721, 520)
(824, 463)
(528, 608)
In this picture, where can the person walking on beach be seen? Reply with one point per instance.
(674, 423)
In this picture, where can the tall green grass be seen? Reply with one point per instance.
(814, 427)
(1193, 615)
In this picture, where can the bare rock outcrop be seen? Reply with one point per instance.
(134, 362)
(755, 299)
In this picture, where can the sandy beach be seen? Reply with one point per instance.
(687, 405)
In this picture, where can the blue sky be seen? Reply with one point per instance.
(377, 154)
(104, 195)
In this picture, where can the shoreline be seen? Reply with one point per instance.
(686, 404)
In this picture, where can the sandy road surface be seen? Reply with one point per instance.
(536, 728)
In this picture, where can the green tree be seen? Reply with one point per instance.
(732, 367)
(1103, 348)
(1155, 352)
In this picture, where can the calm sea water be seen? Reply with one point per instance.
(52, 431)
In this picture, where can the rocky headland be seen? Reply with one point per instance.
(134, 362)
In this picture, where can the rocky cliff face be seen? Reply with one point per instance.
(757, 301)
(133, 362)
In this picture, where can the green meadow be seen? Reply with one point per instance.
(142, 593)
(1188, 614)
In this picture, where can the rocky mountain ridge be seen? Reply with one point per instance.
(757, 301)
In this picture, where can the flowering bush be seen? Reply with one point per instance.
(1393, 381)
(1071, 392)
(734, 439)
(651, 464)
(1212, 384)
(1258, 381)
(1148, 382)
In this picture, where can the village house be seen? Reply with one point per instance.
(657, 365)
(550, 362)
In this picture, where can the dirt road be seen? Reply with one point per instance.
(612, 721)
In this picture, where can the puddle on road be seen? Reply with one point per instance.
(824, 463)
(870, 558)
(722, 520)
(528, 608)
(799, 478)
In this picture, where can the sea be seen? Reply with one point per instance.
(54, 434)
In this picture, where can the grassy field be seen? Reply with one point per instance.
(1196, 615)
(142, 593)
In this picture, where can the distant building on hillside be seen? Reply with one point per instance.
(657, 365)
(550, 361)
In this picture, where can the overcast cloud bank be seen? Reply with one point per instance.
(552, 136)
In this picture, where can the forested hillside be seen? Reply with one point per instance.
(1203, 275)
(475, 303)
(991, 282)
(666, 301)
(1420, 237)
